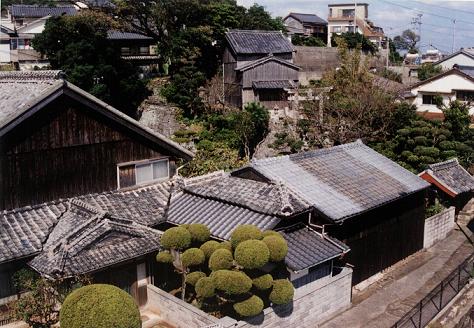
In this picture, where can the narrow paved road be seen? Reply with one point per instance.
(404, 285)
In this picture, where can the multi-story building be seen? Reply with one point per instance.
(353, 17)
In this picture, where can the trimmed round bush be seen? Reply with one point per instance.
(252, 254)
(193, 256)
(193, 277)
(199, 232)
(277, 246)
(282, 291)
(267, 233)
(205, 287)
(243, 233)
(263, 282)
(164, 257)
(221, 259)
(99, 306)
(250, 307)
(209, 247)
(226, 245)
(176, 238)
(231, 282)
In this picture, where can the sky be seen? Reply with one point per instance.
(396, 15)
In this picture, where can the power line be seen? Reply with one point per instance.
(443, 7)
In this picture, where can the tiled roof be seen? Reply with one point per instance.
(249, 65)
(21, 91)
(221, 218)
(342, 181)
(258, 42)
(87, 240)
(469, 70)
(265, 198)
(285, 84)
(452, 175)
(308, 18)
(120, 35)
(35, 11)
(308, 248)
(23, 231)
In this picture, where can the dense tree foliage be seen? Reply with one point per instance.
(408, 40)
(78, 46)
(428, 70)
(354, 40)
(309, 41)
(226, 278)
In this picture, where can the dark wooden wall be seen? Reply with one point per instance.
(384, 236)
(64, 150)
(269, 71)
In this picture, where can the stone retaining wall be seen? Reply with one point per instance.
(438, 226)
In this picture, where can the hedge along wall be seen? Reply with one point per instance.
(438, 226)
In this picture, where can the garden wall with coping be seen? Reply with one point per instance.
(438, 226)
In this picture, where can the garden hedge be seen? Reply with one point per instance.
(226, 245)
(277, 246)
(192, 257)
(282, 292)
(221, 259)
(267, 233)
(176, 238)
(263, 282)
(231, 282)
(164, 257)
(193, 277)
(99, 306)
(250, 307)
(199, 232)
(243, 233)
(209, 247)
(252, 254)
(205, 287)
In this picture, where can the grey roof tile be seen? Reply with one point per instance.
(308, 248)
(342, 181)
(258, 42)
(121, 35)
(308, 18)
(281, 84)
(452, 175)
(36, 11)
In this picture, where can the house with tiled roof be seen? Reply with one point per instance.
(362, 198)
(463, 57)
(258, 67)
(452, 183)
(306, 25)
(134, 47)
(58, 141)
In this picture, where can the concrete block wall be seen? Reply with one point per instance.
(178, 313)
(438, 226)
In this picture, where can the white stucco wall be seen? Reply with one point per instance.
(460, 59)
(5, 53)
(438, 226)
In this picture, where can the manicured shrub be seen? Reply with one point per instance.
(193, 277)
(199, 232)
(209, 247)
(226, 245)
(205, 287)
(267, 233)
(221, 259)
(243, 233)
(250, 307)
(176, 238)
(231, 282)
(263, 282)
(193, 256)
(282, 291)
(99, 306)
(277, 246)
(164, 257)
(252, 254)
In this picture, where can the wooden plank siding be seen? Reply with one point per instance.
(269, 71)
(66, 150)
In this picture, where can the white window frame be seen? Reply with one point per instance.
(142, 163)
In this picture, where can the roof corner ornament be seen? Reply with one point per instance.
(286, 208)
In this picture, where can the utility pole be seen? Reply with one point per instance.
(416, 22)
(454, 35)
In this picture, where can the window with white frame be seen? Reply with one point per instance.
(135, 173)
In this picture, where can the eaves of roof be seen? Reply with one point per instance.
(451, 71)
(264, 60)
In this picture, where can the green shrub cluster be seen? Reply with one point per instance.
(176, 238)
(250, 307)
(226, 245)
(209, 247)
(199, 232)
(193, 277)
(205, 287)
(99, 306)
(252, 254)
(221, 259)
(267, 233)
(164, 257)
(282, 292)
(263, 282)
(193, 257)
(277, 246)
(243, 233)
(231, 282)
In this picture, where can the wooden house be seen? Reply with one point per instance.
(258, 67)
(373, 205)
(306, 25)
(58, 141)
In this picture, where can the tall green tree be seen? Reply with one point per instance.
(428, 70)
(408, 40)
(78, 45)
